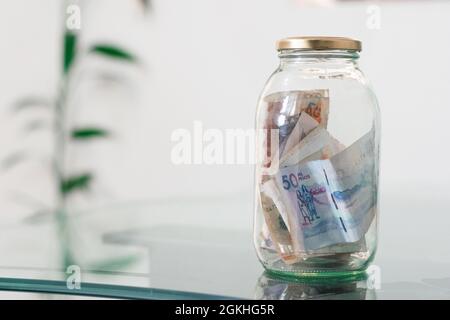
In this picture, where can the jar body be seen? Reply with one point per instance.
(316, 178)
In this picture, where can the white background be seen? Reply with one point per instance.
(208, 61)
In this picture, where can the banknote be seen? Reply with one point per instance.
(330, 201)
(347, 247)
(284, 113)
(331, 148)
(291, 103)
(285, 131)
(275, 216)
(318, 145)
(304, 125)
(316, 104)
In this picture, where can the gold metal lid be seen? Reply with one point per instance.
(319, 43)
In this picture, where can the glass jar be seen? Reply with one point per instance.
(316, 187)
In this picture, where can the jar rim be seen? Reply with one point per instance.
(319, 43)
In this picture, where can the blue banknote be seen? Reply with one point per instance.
(331, 201)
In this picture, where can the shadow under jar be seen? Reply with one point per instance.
(316, 181)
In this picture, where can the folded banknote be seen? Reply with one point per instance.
(330, 201)
(291, 115)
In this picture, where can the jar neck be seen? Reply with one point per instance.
(294, 56)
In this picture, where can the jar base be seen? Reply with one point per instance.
(349, 265)
(311, 275)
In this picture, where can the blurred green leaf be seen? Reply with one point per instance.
(146, 4)
(39, 216)
(114, 264)
(78, 182)
(113, 52)
(12, 160)
(36, 125)
(88, 133)
(70, 44)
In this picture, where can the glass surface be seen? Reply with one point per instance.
(142, 227)
(207, 259)
(316, 181)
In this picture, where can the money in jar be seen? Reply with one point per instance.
(316, 177)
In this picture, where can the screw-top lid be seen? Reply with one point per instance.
(319, 43)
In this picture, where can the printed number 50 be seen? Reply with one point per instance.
(289, 181)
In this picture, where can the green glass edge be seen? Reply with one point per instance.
(102, 290)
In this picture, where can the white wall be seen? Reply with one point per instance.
(208, 60)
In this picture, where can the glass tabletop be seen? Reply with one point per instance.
(190, 250)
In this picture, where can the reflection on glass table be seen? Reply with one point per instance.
(188, 249)
(274, 288)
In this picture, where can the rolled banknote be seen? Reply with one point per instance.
(331, 201)
(275, 216)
